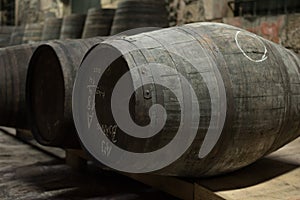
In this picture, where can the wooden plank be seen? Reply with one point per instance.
(283, 187)
(76, 160)
(201, 193)
(174, 186)
(276, 176)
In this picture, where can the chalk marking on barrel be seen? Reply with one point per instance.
(91, 102)
(263, 58)
(106, 148)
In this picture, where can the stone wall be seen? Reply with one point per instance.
(281, 29)
(31, 11)
(188, 11)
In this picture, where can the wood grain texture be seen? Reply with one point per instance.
(132, 14)
(261, 80)
(72, 26)
(98, 22)
(33, 33)
(51, 75)
(13, 66)
(51, 30)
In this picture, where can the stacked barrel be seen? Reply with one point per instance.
(72, 26)
(51, 30)
(5, 32)
(98, 22)
(33, 33)
(132, 14)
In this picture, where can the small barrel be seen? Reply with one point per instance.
(196, 100)
(51, 74)
(51, 30)
(17, 35)
(72, 26)
(132, 14)
(5, 34)
(98, 22)
(33, 33)
(13, 66)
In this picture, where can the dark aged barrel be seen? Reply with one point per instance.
(33, 33)
(98, 22)
(17, 35)
(50, 80)
(227, 95)
(72, 26)
(5, 33)
(132, 14)
(13, 67)
(51, 29)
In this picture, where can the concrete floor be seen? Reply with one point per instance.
(29, 174)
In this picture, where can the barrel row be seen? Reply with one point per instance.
(130, 14)
(230, 96)
(97, 23)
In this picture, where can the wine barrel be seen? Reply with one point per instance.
(52, 29)
(5, 33)
(51, 74)
(196, 100)
(33, 33)
(132, 14)
(13, 66)
(17, 35)
(72, 26)
(98, 22)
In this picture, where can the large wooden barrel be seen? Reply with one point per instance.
(98, 22)
(227, 96)
(50, 79)
(132, 14)
(5, 33)
(72, 26)
(13, 67)
(52, 29)
(33, 33)
(17, 35)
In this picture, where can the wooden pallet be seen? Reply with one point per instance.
(275, 177)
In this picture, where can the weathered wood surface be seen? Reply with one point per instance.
(51, 30)
(98, 22)
(26, 173)
(5, 34)
(13, 70)
(33, 33)
(256, 79)
(132, 14)
(72, 26)
(50, 80)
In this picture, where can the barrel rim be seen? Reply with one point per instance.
(29, 79)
